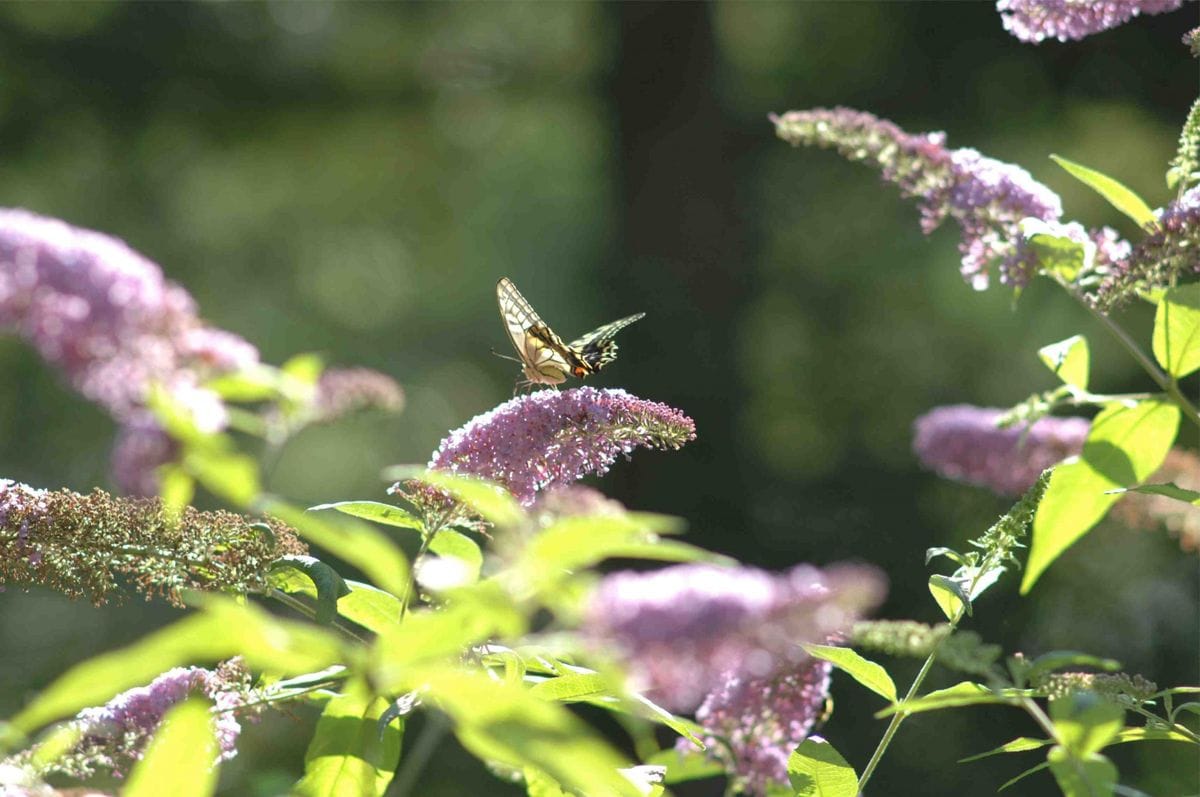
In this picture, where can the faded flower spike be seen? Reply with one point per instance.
(752, 725)
(553, 438)
(85, 545)
(1070, 20)
(1171, 251)
(963, 443)
(986, 197)
(684, 630)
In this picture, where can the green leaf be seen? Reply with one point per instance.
(684, 766)
(179, 759)
(1069, 360)
(176, 488)
(539, 784)
(816, 769)
(1093, 776)
(491, 501)
(1177, 330)
(1166, 489)
(1120, 197)
(1151, 735)
(456, 545)
(305, 368)
(1023, 775)
(361, 545)
(225, 473)
(949, 594)
(573, 688)
(377, 511)
(1085, 722)
(1124, 446)
(257, 383)
(1057, 254)
(950, 553)
(504, 723)
(329, 584)
(865, 671)
(965, 693)
(1019, 745)
(369, 606)
(350, 755)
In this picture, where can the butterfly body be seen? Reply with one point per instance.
(544, 358)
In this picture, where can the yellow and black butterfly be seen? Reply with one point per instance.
(544, 358)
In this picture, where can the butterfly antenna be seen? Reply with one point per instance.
(506, 357)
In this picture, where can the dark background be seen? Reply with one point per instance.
(353, 178)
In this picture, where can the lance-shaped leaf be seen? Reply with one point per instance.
(179, 759)
(965, 693)
(350, 755)
(488, 499)
(1177, 330)
(1120, 197)
(387, 514)
(865, 671)
(327, 584)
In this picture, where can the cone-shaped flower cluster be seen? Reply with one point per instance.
(85, 545)
(1173, 250)
(1071, 20)
(752, 725)
(552, 438)
(683, 631)
(963, 443)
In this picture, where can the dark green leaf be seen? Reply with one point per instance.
(1125, 445)
(1023, 775)
(179, 759)
(329, 584)
(1120, 197)
(1177, 330)
(865, 671)
(347, 755)
(1061, 659)
(816, 769)
(1019, 745)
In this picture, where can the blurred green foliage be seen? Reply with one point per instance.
(353, 178)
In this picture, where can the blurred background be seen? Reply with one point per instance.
(353, 178)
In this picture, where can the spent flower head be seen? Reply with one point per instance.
(1161, 258)
(551, 438)
(682, 630)
(964, 443)
(987, 198)
(1070, 20)
(84, 545)
(752, 725)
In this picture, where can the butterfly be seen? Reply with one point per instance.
(544, 358)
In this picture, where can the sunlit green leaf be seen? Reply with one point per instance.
(1019, 745)
(539, 784)
(491, 501)
(1085, 722)
(256, 383)
(306, 368)
(388, 514)
(816, 769)
(179, 759)
(366, 548)
(1177, 330)
(176, 488)
(1120, 197)
(865, 671)
(949, 594)
(1069, 360)
(1166, 489)
(1057, 254)
(1152, 735)
(1091, 776)
(370, 607)
(496, 721)
(1124, 446)
(225, 473)
(455, 545)
(350, 755)
(574, 687)
(964, 693)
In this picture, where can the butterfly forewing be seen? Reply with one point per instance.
(597, 348)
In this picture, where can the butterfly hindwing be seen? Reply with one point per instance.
(597, 348)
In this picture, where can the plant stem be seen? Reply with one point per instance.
(426, 540)
(293, 603)
(894, 725)
(1169, 386)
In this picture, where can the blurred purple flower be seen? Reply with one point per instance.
(752, 725)
(114, 736)
(341, 391)
(684, 630)
(986, 197)
(108, 319)
(1192, 40)
(1070, 20)
(554, 438)
(572, 500)
(963, 442)
(1171, 251)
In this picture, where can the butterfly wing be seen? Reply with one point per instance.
(545, 359)
(597, 348)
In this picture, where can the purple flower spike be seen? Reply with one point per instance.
(684, 630)
(986, 197)
(552, 438)
(964, 443)
(1070, 20)
(1171, 251)
(752, 725)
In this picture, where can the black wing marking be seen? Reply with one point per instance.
(597, 348)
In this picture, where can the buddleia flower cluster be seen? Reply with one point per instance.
(1070, 20)
(113, 737)
(1172, 250)
(552, 438)
(1120, 688)
(684, 631)
(89, 545)
(752, 725)
(959, 650)
(965, 443)
(105, 316)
